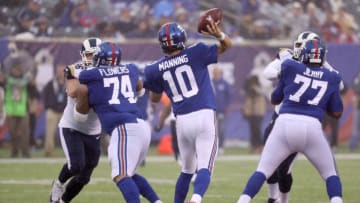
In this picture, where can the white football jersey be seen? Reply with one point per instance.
(92, 125)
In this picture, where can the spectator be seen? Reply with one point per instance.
(163, 8)
(33, 108)
(2, 99)
(27, 15)
(143, 30)
(62, 13)
(296, 17)
(355, 134)
(43, 28)
(82, 16)
(349, 36)
(16, 104)
(345, 20)
(253, 111)
(330, 29)
(222, 96)
(125, 23)
(54, 102)
(316, 17)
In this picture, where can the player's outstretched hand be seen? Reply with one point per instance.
(213, 29)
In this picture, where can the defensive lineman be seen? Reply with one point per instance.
(80, 141)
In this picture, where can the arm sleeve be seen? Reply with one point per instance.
(335, 103)
(208, 54)
(272, 70)
(150, 82)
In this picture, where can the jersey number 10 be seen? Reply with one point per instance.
(185, 91)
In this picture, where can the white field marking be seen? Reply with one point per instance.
(165, 159)
(92, 181)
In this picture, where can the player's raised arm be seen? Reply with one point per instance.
(215, 30)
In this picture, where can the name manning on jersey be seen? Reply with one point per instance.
(113, 71)
(313, 74)
(173, 62)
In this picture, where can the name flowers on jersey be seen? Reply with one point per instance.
(173, 62)
(114, 71)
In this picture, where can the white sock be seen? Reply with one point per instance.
(158, 201)
(274, 190)
(336, 200)
(284, 197)
(196, 198)
(244, 199)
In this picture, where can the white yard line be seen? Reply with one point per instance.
(165, 159)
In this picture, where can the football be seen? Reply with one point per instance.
(211, 15)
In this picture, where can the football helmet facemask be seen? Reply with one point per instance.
(300, 42)
(313, 52)
(108, 54)
(88, 49)
(172, 37)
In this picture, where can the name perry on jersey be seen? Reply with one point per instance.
(313, 74)
(173, 62)
(114, 71)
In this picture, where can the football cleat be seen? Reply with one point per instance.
(57, 191)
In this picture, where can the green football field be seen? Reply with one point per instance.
(29, 180)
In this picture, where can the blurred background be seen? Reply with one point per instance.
(40, 37)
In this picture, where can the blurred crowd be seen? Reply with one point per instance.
(123, 19)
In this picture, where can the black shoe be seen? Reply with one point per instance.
(271, 200)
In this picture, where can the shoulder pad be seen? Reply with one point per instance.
(79, 66)
(284, 53)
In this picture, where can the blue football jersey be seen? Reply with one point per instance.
(184, 78)
(307, 90)
(112, 94)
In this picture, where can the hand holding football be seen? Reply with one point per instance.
(212, 15)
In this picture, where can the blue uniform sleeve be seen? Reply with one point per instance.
(335, 103)
(209, 54)
(134, 70)
(151, 82)
(87, 76)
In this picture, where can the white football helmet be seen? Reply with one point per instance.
(299, 43)
(89, 46)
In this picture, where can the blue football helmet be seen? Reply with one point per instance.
(172, 37)
(108, 54)
(313, 52)
(300, 42)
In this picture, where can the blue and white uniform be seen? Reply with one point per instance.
(307, 93)
(186, 81)
(112, 95)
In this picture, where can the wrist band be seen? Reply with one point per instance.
(222, 36)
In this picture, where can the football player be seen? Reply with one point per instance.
(183, 75)
(79, 140)
(306, 91)
(279, 184)
(111, 90)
